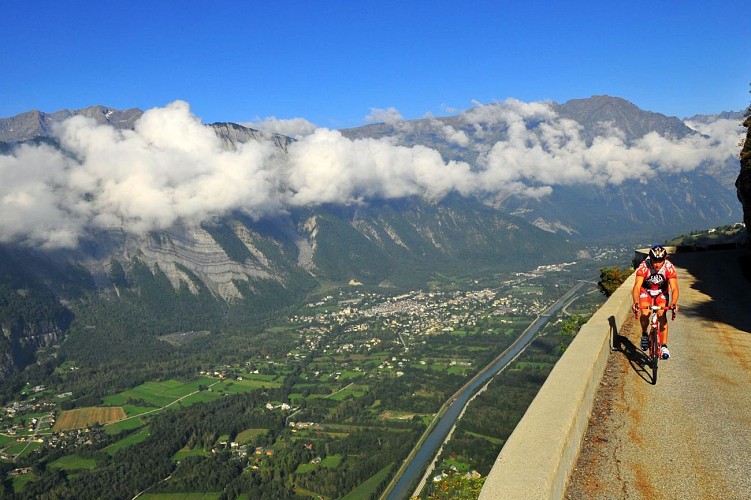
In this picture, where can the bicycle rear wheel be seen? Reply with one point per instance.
(654, 351)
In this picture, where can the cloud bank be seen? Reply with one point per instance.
(297, 128)
(172, 169)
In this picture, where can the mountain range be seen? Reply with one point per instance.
(536, 184)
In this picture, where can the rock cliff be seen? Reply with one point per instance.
(743, 183)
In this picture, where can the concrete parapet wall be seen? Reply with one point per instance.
(537, 460)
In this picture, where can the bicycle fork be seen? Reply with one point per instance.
(656, 340)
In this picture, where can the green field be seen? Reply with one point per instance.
(260, 377)
(201, 397)
(354, 391)
(248, 434)
(4, 440)
(22, 447)
(183, 453)
(532, 364)
(181, 496)
(305, 468)
(366, 489)
(245, 385)
(161, 394)
(127, 441)
(73, 462)
(496, 441)
(20, 481)
(459, 370)
(123, 425)
(158, 394)
(332, 461)
(133, 410)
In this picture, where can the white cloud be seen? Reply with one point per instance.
(388, 116)
(171, 168)
(449, 133)
(32, 194)
(328, 168)
(554, 153)
(293, 127)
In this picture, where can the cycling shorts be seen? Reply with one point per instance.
(646, 300)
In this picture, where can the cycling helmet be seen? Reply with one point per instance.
(658, 252)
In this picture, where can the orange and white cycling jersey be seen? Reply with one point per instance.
(656, 282)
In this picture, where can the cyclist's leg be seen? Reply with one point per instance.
(644, 302)
(662, 300)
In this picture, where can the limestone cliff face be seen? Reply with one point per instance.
(19, 343)
(186, 253)
(192, 248)
(743, 183)
(233, 135)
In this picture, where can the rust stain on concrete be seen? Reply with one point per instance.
(644, 483)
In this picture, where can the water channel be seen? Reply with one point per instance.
(437, 436)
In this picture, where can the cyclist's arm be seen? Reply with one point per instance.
(637, 290)
(674, 292)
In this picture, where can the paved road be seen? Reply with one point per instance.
(689, 436)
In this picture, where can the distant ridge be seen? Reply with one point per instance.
(634, 121)
(35, 124)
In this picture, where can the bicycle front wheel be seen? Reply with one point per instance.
(655, 355)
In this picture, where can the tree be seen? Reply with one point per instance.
(611, 278)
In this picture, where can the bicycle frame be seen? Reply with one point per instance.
(655, 340)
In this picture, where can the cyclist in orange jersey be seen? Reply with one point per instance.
(656, 284)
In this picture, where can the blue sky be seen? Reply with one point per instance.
(333, 62)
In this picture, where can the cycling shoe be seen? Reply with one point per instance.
(644, 342)
(664, 352)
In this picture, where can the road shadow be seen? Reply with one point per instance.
(724, 276)
(619, 342)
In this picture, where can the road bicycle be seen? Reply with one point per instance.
(654, 337)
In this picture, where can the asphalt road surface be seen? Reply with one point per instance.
(688, 436)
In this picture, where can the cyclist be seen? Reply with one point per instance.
(656, 284)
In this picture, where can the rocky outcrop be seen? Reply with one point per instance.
(233, 135)
(194, 249)
(743, 183)
(19, 344)
(35, 124)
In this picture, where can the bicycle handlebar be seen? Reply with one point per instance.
(657, 308)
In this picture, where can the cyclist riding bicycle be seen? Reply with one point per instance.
(656, 284)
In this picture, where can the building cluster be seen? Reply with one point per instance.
(27, 417)
(409, 315)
